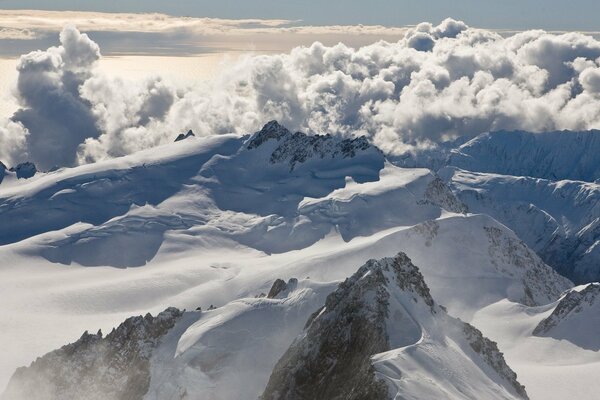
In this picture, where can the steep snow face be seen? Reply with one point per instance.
(576, 318)
(560, 220)
(228, 353)
(550, 155)
(380, 335)
(111, 368)
(487, 261)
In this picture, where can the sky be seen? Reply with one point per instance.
(581, 15)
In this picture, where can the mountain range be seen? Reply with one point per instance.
(283, 265)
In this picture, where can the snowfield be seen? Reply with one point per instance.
(216, 220)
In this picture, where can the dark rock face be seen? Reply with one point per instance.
(25, 170)
(279, 286)
(573, 303)
(112, 368)
(439, 194)
(182, 136)
(297, 148)
(492, 356)
(332, 359)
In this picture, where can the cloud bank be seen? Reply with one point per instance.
(437, 83)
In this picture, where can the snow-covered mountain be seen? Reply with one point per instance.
(215, 221)
(560, 220)
(562, 155)
(544, 186)
(380, 335)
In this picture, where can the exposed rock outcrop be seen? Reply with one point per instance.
(25, 170)
(280, 287)
(115, 367)
(183, 136)
(297, 148)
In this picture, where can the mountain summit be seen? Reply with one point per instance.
(371, 335)
(295, 148)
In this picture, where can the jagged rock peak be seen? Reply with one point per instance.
(573, 303)
(382, 309)
(271, 130)
(183, 136)
(331, 360)
(298, 147)
(112, 368)
(407, 275)
(279, 287)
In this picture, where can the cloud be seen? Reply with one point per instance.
(13, 145)
(434, 84)
(57, 117)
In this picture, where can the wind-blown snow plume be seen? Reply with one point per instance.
(435, 84)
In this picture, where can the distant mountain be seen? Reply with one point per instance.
(561, 155)
(549, 155)
(560, 220)
(286, 190)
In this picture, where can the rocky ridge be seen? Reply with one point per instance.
(574, 302)
(332, 359)
(296, 148)
(115, 367)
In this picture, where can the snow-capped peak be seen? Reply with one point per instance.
(373, 333)
(295, 148)
(271, 130)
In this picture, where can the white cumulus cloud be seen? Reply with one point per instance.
(437, 83)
